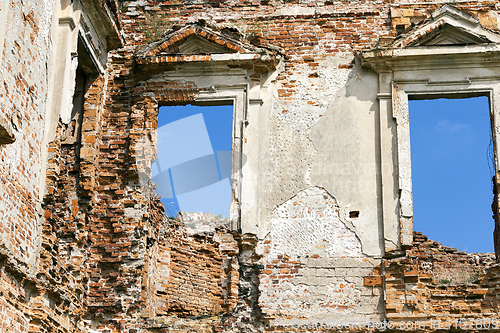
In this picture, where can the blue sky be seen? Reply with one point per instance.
(451, 162)
(193, 165)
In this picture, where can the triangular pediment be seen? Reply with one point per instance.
(447, 35)
(447, 26)
(196, 39)
(195, 44)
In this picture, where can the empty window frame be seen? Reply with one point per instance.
(452, 166)
(194, 159)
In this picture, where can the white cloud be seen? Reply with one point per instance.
(445, 126)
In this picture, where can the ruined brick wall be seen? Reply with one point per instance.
(38, 284)
(52, 295)
(313, 246)
(138, 260)
(109, 258)
(64, 258)
(22, 112)
(192, 275)
(448, 264)
(434, 282)
(43, 243)
(26, 300)
(13, 301)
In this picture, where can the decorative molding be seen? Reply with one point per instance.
(447, 26)
(67, 21)
(256, 101)
(448, 34)
(195, 44)
(384, 96)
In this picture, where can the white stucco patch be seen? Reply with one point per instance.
(309, 224)
(313, 88)
(304, 301)
(285, 164)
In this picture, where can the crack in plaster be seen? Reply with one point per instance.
(309, 224)
(290, 156)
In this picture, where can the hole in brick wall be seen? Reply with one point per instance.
(149, 242)
(5, 137)
(452, 167)
(354, 214)
(194, 161)
(400, 29)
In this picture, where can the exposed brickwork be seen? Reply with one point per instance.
(199, 277)
(12, 317)
(437, 282)
(23, 93)
(68, 203)
(104, 257)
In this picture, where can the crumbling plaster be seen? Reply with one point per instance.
(347, 162)
(332, 153)
(313, 265)
(304, 170)
(309, 224)
(23, 100)
(313, 86)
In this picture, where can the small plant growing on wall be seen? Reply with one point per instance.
(154, 27)
(444, 281)
(124, 6)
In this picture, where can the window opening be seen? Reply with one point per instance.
(452, 167)
(194, 159)
(85, 73)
